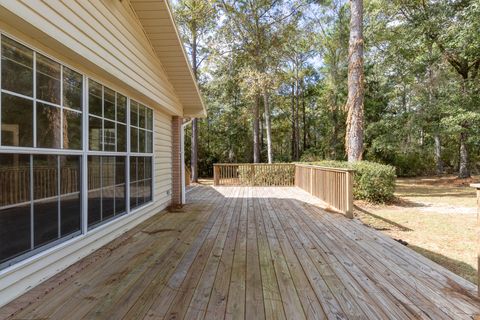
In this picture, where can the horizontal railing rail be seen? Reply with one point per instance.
(254, 174)
(334, 186)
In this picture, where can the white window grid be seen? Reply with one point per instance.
(84, 152)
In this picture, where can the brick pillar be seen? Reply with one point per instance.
(176, 161)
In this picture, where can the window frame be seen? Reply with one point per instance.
(83, 152)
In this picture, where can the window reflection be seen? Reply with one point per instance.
(17, 67)
(106, 184)
(17, 121)
(15, 205)
(45, 191)
(70, 206)
(48, 126)
(48, 79)
(72, 89)
(95, 133)
(72, 126)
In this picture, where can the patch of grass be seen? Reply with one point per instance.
(446, 237)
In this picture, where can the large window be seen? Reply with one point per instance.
(45, 196)
(40, 108)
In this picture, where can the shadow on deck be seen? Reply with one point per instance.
(251, 253)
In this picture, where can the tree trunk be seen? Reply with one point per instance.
(355, 118)
(304, 120)
(194, 139)
(256, 131)
(438, 154)
(293, 122)
(268, 127)
(297, 124)
(463, 171)
(194, 155)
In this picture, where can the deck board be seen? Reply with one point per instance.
(251, 253)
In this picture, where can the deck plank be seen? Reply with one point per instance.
(251, 253)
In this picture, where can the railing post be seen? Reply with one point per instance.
(477, 186)
(216, 175)
(311, 180)
(349, 194)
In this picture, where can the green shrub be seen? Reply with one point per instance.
(373, 182)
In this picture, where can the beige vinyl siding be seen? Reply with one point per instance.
(104, 33)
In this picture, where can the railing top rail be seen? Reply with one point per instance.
(325, 168)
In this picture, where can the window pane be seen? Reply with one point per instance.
(48, 126)
(148, 168)
(70, 207)
(149, 142)
(121, 137)
(17, 121)
(133, 140)
(133, 169)
(72, 89)
(133, 113)
(148, 190)
(149, 119)
(14, 220)
(121, 108)
(17, 67)
(141, 116)
(45, 176)
(109, 103)
(120, 199)
(95, 98)
(108, 190)
(120, 185)
(70, 210)
(141, 140)
(45, 189)
(141, 168)
(108, 171)
(72, 126)
(48, 79)
(133, 195)
(45, 221)
(109, 134)
(140, 193)
(119, 170)
(95, 133)
(94, 187)
(69, 174)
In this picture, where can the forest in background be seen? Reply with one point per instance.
(285, 63)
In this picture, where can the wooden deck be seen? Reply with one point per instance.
(251, 253)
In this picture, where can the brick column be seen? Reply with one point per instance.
(176, 161)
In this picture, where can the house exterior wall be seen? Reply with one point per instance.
(103, 36)
(103, 41)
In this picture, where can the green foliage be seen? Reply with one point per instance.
(373, 182)
(422, 80)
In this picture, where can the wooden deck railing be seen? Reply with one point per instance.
(333, 186)
(254, 174)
